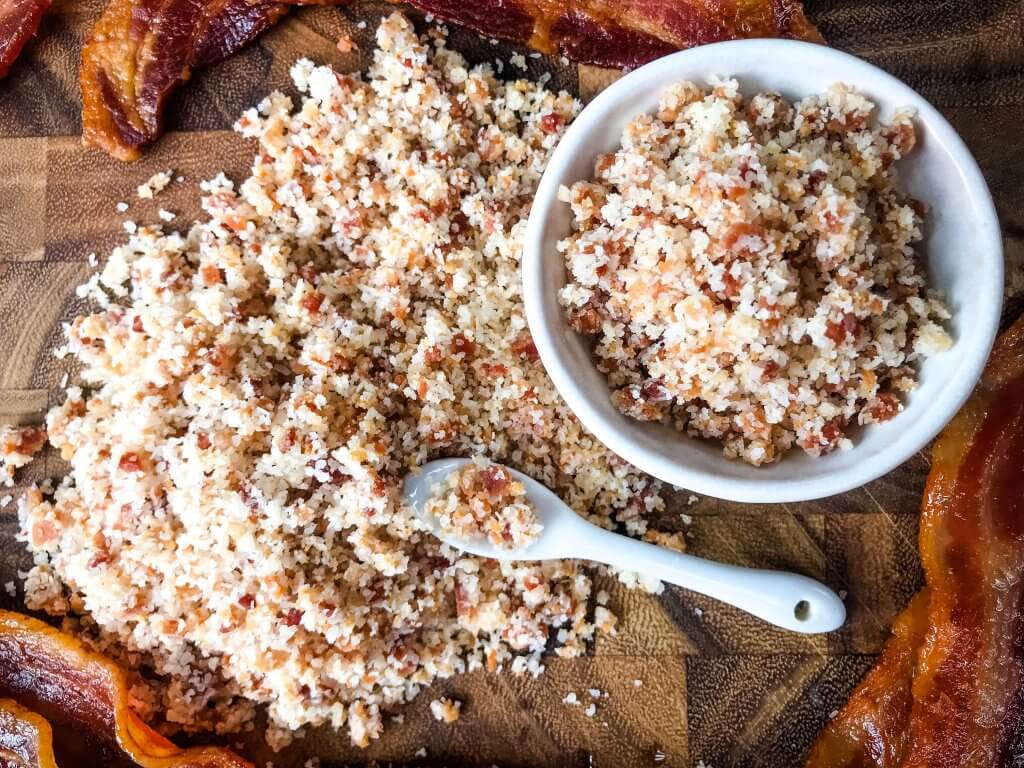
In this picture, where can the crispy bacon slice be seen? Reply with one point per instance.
(624, 33)
(50, 677)
(140, 51)
(949, 687)
(19, 21)
(26, 739)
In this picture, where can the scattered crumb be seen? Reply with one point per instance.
(361, 25)
(698, 612)
(493, 41)
(687, 519)
(93, 259)
(6, 500)
(594, 693)
(832, 714)
(602, 597)
(518, 60)
(445, 710)
(591, 710)
(18, 445)
(421, 752)
(638, 683)
(398, 719)
(10, 588)
(154, 185)
(166, 215)
(130, 227)
(842, 594)
(570, 698)
(121, 207)
(565, 60)
(346, 44)
(535, 55)
(692, 500)
(179, 179)
(605, 620)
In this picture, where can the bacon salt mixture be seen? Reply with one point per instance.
(748, 269)
(484, 502)
(18, 445)
(261, 385)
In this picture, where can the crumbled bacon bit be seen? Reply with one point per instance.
(524, 347)
(495, 479)
(26, 441)
(814, 180)
(100, 558)
(311, 302)
(202, 440)
(463, 346)
(137, 324)
(551, 122)
(247, 601)
(883, 407)
(494, 370)
(654, 390)
(221, 356)
(848, 327)
(130, 462)
(291, 617)
(211, 274)
(586, 319)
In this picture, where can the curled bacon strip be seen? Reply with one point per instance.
(140, 51)
(624, 33)
(948, 689)
(49, 677)
(26, 739)
(19, 21)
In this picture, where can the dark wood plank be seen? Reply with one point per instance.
(716, 686)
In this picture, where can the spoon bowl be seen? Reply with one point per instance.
(787, 600)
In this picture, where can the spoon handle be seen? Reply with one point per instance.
(787, 600)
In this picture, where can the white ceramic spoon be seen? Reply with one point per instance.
(787, 600)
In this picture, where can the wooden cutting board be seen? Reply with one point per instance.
(716, 686)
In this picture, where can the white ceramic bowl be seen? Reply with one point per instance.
(962, 248)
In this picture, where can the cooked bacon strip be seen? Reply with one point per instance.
(26, 739)
(141, 50)
(624, 33)
(966, 688)
(19, 20)
(871, 730)
(50, 677)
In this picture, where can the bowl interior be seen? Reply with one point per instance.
(962, 255)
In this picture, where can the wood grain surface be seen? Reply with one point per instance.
(716, 686)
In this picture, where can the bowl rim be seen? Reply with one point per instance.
(725, 56)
